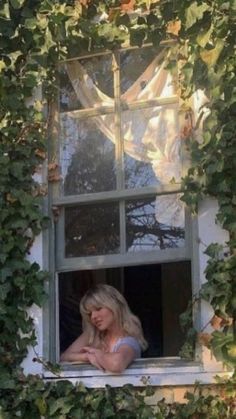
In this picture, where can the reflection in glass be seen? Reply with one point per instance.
(92, 230)
(90, 74)
(133, 63)
(144, 229)
(138, 173)
(87, 157)
(144, 75)
(152, 146)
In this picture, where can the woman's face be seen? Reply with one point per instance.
(102, 318)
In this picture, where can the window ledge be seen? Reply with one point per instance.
(154, 372)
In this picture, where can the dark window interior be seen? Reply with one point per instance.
(156, 293)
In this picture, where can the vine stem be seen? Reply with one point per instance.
(46, 364)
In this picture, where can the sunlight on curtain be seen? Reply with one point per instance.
(150, 135)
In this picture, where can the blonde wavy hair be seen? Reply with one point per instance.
(104, 295)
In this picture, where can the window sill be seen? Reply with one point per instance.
(155, 372)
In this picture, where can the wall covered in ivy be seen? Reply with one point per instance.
(34, 35)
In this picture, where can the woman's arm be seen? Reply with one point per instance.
(72, 353)
(114, 362)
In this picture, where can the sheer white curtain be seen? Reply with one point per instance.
(151, 135)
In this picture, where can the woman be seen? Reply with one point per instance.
(112, 336)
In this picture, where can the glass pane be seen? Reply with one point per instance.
(92, 230)
(154, 223)
(152, 146)
(87, 155)
(143, 74)
(86, 83)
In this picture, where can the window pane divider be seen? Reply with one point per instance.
(151, 103)
(84, 56)
(122, 228)
(118, 138)
(166, 43)
(60, 235)
(89, 112)
(137, 104)
(117, 195)
(119, 260)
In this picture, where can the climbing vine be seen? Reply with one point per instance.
(34, 35)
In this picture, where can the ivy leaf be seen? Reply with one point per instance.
(41, 405)
(204, 339)
(127, 5)
(31, 23)
(2, 65)
(4, 290)
(214, 250)
(204, 37)
(108, 31)
(194, 13)
(3, 308)
(216, 322)
(59, 404)
(174, 27)
(219, 343)
(211, 56)
(4, 11)
(48, 42)
(14, 57)
(6, 382)
(17, 4)
(137, 37)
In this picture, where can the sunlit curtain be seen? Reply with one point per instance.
(153, 137)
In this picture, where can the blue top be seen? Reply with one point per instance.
(130, 341)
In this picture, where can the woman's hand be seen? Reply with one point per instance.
(104, 361)
(94, 361)
(108, 361)
(93, 355)
(72, 353)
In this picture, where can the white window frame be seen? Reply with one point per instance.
(154, 371)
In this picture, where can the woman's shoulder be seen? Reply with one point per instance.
(130, 341)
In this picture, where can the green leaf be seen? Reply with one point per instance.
(219, 344)
(137, 37)
(214, 250)
(41, 405)
(31, 23)
(4, 11)
(204, 37)
(210, 56)
(42, 22)
(17, 4)
(195, 13)
(4, 290)
(3, 308)
(2, 65)
(6, 382)
(49, 42)
(59, 404)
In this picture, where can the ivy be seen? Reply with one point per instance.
(34, 35)
(32, 397)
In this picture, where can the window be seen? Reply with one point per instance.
(118, 214)
(151, 292)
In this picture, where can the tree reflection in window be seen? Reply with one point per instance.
(93, 229)
(144, 232)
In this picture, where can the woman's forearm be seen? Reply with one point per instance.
(113, 362)
(74, 357)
